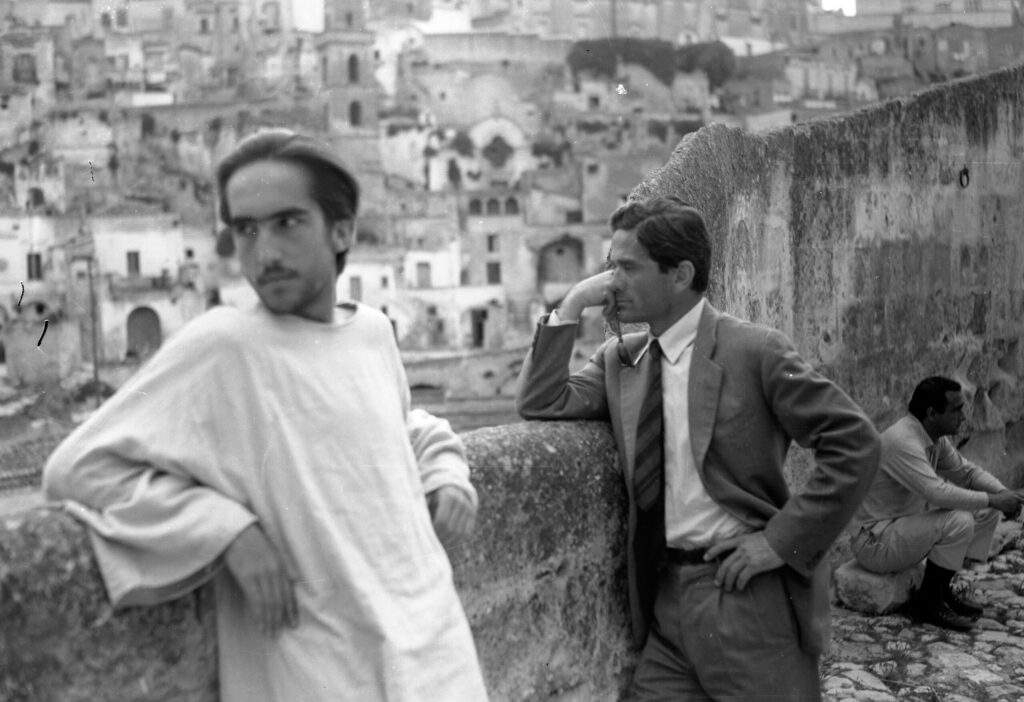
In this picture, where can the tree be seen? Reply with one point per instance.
(714, 58)
(603, 56)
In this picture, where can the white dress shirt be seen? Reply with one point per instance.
(692, 518)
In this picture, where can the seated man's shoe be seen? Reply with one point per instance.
(938, 613)
(964, 605)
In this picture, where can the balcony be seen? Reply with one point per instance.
(124, 286)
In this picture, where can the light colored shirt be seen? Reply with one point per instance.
(692, 518)
(248, 416)
(916, 474)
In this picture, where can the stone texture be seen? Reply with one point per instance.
(874, 593)
(542, 581)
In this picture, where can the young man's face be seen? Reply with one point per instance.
(643, 293)
(285, 245)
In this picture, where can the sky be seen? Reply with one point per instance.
(847, 6)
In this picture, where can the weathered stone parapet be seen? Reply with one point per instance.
(542, 581)
(60, 641)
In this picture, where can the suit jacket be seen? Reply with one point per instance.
(750, 395)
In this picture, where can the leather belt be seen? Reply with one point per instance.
(689, 556)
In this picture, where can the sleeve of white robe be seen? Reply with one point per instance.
(440, 453)
(130, 473)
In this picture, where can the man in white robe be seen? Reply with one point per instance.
(274, 450)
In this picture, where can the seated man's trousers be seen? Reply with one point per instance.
(943, 536)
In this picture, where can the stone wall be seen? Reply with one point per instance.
(542, 581)
(863, 237)
(886, 242)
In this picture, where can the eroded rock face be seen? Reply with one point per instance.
(60, 639)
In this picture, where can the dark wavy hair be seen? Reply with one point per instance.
(331, 184)
(931, 392)
(671, 231)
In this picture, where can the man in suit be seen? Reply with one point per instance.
(727, 586)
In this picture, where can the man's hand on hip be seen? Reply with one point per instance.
(259, 570)
(750, 555)
(452, 513)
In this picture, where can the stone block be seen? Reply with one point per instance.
(874, 593)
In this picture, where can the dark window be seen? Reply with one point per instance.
(189, 254)
(593, 102)
(348, 20)
(355, 288)
(493, 206)
(25, 69)
(122, 18)
(133, 263)
(493, 273)
(492, 243)
(105, 20)
(35, 266)
(422, 275)
(353, 69)
(355, 114)
(511, 206)
(573, 216)
(475, 207)
(384, 282)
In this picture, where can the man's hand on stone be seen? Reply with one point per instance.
(452, 513)
(751, 555)
(1006, 501)
(261, 574)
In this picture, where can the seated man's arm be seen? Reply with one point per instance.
(909, 466)
(951, 465)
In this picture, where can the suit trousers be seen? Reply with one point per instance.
(709, 644)
(944, 536)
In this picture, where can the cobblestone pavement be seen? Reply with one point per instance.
(880, 658)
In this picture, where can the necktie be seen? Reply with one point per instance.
(649, 464)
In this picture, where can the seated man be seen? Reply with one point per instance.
(928, 501)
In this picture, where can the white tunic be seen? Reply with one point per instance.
(300, 426)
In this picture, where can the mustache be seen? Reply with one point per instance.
(270, 275)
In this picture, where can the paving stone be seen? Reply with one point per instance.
(985, 664)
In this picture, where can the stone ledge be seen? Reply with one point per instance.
(542, 581)
(875, 593)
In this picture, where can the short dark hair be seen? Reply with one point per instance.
(671, 231)
(331, 184)
(931, 392)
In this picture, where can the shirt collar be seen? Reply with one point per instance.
(676, 338)
(917, 429)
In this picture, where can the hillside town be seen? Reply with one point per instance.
(492, 139)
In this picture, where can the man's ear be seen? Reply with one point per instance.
(684, 274)
(343, 233)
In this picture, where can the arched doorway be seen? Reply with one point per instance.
(144, 336)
